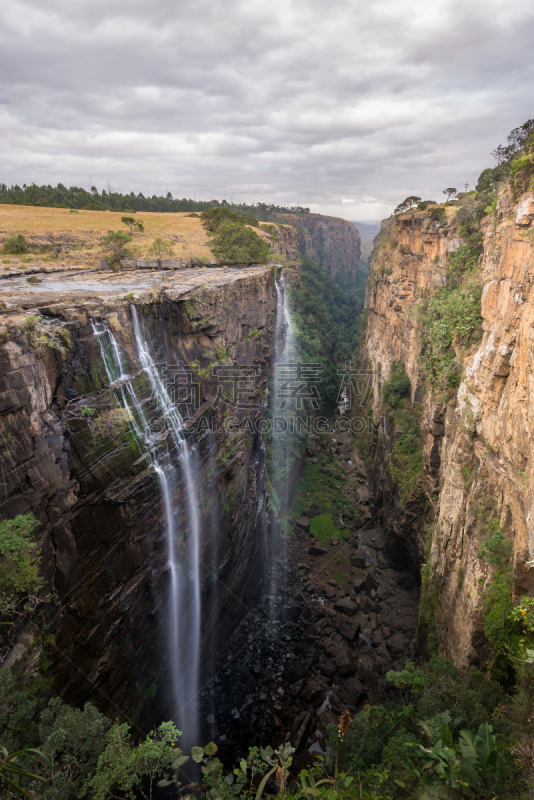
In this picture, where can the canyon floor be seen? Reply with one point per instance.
(335, 617)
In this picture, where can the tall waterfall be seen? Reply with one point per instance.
(172, 461)
(281, 437)
(284, 336)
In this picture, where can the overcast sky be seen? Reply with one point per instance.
(345, 106)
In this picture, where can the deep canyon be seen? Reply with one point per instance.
(193, 569)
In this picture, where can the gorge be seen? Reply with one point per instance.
(258, 503)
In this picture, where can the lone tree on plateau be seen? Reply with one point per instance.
(132, 223)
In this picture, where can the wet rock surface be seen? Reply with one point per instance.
(322, 644)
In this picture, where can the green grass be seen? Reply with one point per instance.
(324, 529)
(317, 487)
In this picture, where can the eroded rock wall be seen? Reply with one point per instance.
(332, 243)
(478, 445)
(96, 496)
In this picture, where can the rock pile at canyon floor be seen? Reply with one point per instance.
(320, 645)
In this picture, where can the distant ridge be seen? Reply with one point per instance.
(368, 231)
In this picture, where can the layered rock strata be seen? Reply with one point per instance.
(477, 445)
(332, 243)
(70, 459)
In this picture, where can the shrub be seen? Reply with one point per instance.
(465, 258)
(16, 243)
(450, 318)
(438, 214)
(69, 739)
(398, 385)
(72, 740)
(161, 249)
(522, 173)
(115, 243)
(406, 465)
(473, 698)
(19, 562)
(236, 244)
(125, 767)
(213, 218)
(43, 335)
(495, 549)
(504, 634)
(112, 424)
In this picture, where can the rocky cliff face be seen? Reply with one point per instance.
(334, 244)
(69, 457)
(478, 444)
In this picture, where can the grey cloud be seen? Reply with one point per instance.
(308, 102)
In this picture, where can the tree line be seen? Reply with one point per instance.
(79, 198)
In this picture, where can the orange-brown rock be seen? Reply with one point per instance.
(478, 446)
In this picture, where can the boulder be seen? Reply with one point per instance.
(301, 729)
(345, 664)
(398, 644)
(317, 550)
(361, 620)
(326, 718)
(315, 693)
(346, 606)
(292, 612)
(358, 559)
(353, 691)
(377, 638)
(382, 653)
(304, 523)
(326, 666)
(348, 627)
(294, 671)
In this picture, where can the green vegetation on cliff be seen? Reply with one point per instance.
(19, 563)
(406, 464)
(235, 243)
(443, 736)
(328, 317)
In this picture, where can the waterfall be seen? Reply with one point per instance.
(284, 334)
(281, 451)
(184, 628)
(170, 463)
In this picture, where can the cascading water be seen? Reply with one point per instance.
(170, 463)
(281, 450)
(184, 601)
(284, 330)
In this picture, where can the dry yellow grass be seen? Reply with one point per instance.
(188, 235)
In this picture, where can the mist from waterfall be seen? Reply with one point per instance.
(170, 463)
